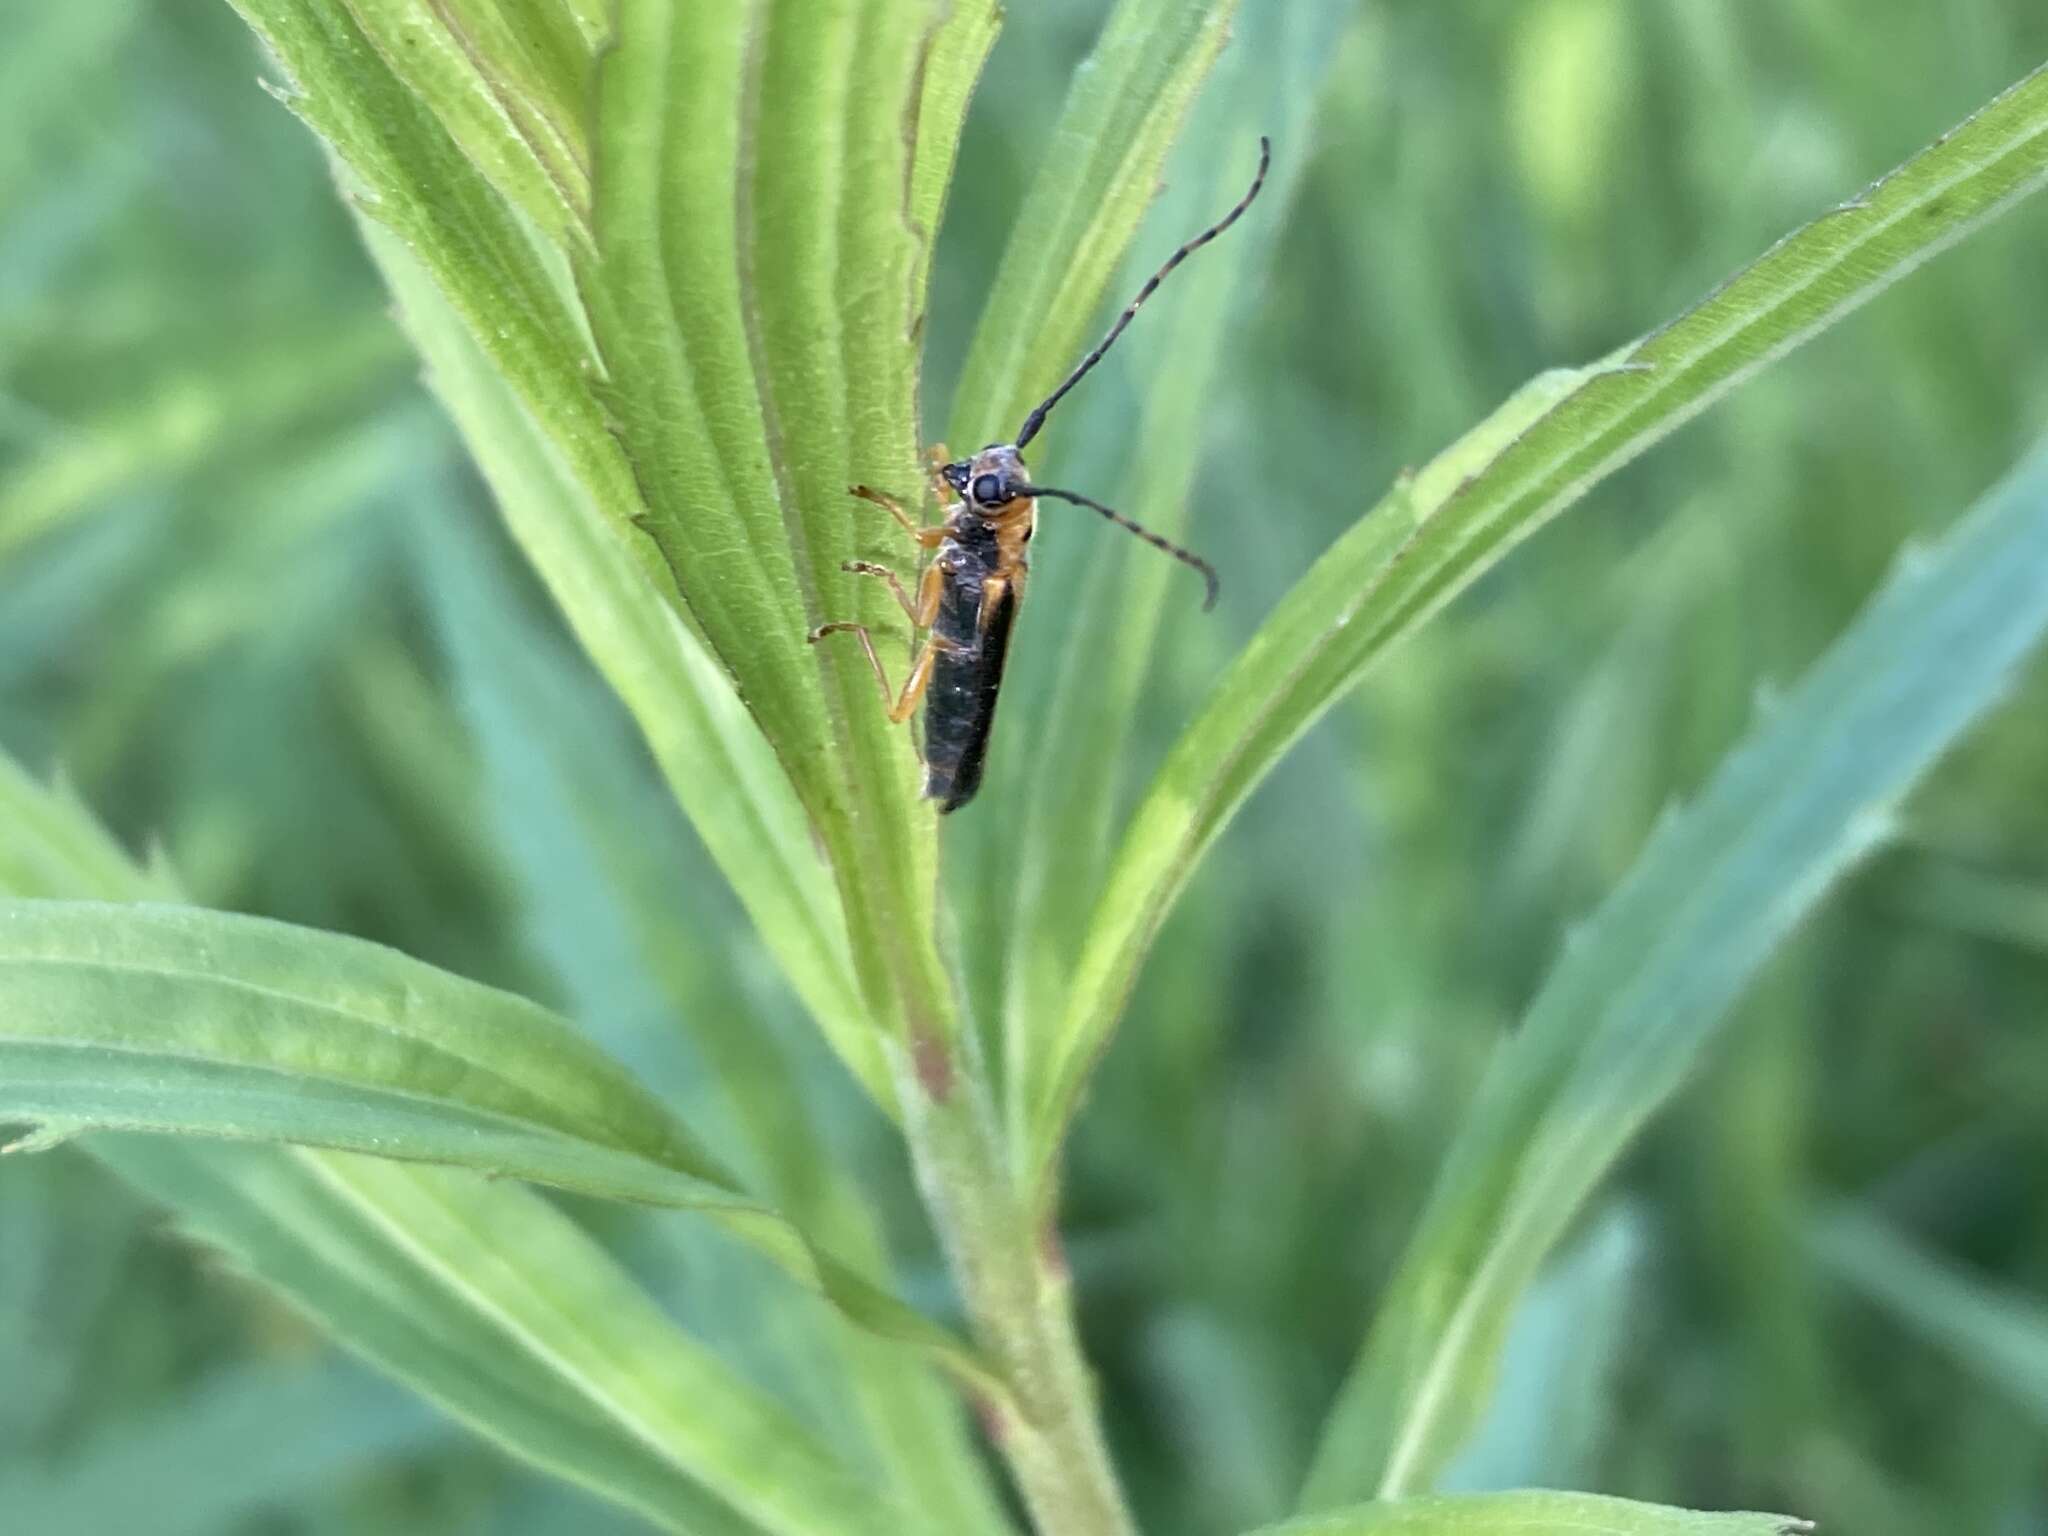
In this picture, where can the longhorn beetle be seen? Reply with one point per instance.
(968, 595)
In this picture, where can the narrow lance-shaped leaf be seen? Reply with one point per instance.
(497, 1307)
(1536, 1512)
(529, 1333)
(204, 1023)
(1098, 170)
(466, 75)
(1641, 989)
(606, 884)
(827, 252)
(1435, 534)
(711, 752)
(663, 299)
(412, 176)
(1267, 83)
(951, 65)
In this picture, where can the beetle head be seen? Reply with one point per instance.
(989, 481)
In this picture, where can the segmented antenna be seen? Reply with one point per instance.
(1037, 418)
(1185, 556)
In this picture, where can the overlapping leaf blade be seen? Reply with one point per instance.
(410, 174)
(203, 1023)
(827, 254)
(386, 1256)
(488, 1301)
(1435, 534)
(1267, 83)
(1640, 991)
(607, 883)
(1101, 164)
(710, 751)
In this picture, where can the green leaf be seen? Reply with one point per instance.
(477, 1294)
(1266, 83)
(513, 112)
(952, 64)
(1099, 168)
(1640, 990)
(1998, 1335)
(179, 424)
(711, 753)
(1434, 534)
(750, 392)
(488, 1301)
(607, 882)
(282, 1434)
(1535, 1512)
(180, 1020)
(408, 172)
(51, 846)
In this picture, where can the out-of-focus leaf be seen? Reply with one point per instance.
(176, 1019)
(1996, 1334)
(179, 423)
(50, 845)
(1553, 1408)
(1641, 988)
(1536, 1512)
(1099, 169)
(485, 1299)
(236, 1444)
(1437, 532)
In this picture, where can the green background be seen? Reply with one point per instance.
(255, 608)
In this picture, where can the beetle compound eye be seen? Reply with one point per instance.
(988, 490)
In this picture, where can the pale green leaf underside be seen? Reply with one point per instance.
(1100, 167)
(477, 1294)
(180, 1020)
(1536, 1512)
(1641, 988)
(1432, 536)
(710, 751)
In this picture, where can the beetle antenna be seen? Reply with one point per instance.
(1185, 556)
(1037, 418)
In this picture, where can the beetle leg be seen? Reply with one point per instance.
(882, 572)
(930, 538)
(900, 707)
(931, 587)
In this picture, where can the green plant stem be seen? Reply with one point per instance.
(1019, 1297)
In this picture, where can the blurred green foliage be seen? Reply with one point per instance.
(244, 570)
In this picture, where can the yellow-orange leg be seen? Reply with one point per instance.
(901, 706)
(930, 588)
(930, 538)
